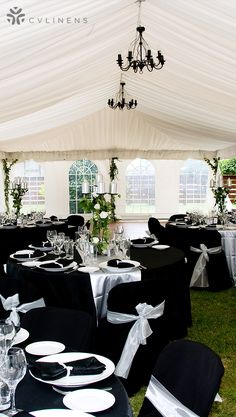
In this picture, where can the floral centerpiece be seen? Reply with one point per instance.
(220, 192)
(101, 218)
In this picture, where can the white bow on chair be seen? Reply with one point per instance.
(12, 303)
(165, 402)
(199, 275)
(137, 334)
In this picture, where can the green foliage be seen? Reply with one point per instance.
(220, 194)
(17, 195)
(6, 170)
(213, 164)
(228, 166)
(101, 218)
(113, 173)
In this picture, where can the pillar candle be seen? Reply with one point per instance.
(101, 188)
(113, 187)
(85, 187)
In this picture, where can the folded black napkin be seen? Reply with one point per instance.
(117, 263)
(125, 265)
(23, 414)
(145, 240)
(60, 263)
(113, 262)
(41, 244)
(50, 371)
(35, 254)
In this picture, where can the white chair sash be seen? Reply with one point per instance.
(165, 402)
(199, 276)
(137, 334)
(12, 303)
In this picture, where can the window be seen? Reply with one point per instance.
(33, 174)
(193, 183)
(140, 187)
(80, 171)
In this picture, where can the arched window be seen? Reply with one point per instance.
(80, 171)
(140, 187)
(32, 171)
(193, 182)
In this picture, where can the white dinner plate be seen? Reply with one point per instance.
(58, 267)
(89, 269)
(42, 248)
(30, 264)
(91, 400)
(26, 251)
(59, 412)
(43, 348)
(144, 245)
(77, 380)
(104, 265)
(20, 336)
(161, 247)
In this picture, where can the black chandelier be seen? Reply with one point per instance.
(140, 56)
(120, 102)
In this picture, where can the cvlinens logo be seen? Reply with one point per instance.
(15, 16)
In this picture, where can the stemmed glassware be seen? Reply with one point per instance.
(12, 370)
(7, 334)
(52, 236)
(82, 246)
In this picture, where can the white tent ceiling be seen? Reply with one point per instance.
(56, 78)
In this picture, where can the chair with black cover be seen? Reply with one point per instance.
(112, 337)
(75, 220)
(175, 217)
(156, 229)
(191, 372)
(206, 249)
(54, 218)
(15, 289)
(73, 328)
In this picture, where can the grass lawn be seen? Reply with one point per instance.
(214, 324)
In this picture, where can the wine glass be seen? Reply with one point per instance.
(7, 334)
(12, 371)
(83, 247)
(52, 236)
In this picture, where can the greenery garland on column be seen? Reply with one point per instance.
(113, 172)
(6, 170)
(220, 192)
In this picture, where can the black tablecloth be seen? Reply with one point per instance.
(58, 289)
(182, 236)
(167, 267)
(34, 395)
(19, 238)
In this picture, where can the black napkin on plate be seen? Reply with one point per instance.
(50, 371)
(23, 414)
(124, 265)
(59, 263)
(145, 240)
(113, 262)
(41, 244)
(117, 263)
(35, 254)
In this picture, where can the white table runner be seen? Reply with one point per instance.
(102, 282)
(228, 242)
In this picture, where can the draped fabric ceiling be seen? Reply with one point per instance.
(56, 78)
